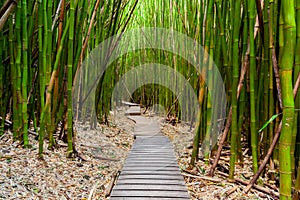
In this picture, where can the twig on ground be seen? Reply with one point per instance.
(104, 158)
(93, 189)
(259, 188)
(229, 192)
(66, 195)
(215, 180)
(111, 184)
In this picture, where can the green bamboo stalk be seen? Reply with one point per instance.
(14, 81)
(41, 55)
(271, 78)
(223, 42)
(50, 89)
(18, 111)
(286, 70)
(297, 103)
(253, 127)
(235, 79)
(48, 21)
(25, 72)
(196, 141)
(209, 41)
(57, 83)
(2, 95)
(70, 78)
(297, 99)
(265, 68)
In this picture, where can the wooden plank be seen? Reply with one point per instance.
(164, 156)
(153, 144)
(135, 150)
(147, 198)
(157, 165)
(151, 172)
(147, 154)
(162, 163)
(152, 154)
(140, 157)
(141, 134)
(152, 140)
(145, 193)
(151, 151)
(162, 137)
(129, 103)
(152, 176)
(150, 187)
(148, 128)
(151, 182)
(158, 153)
(155, 160)
(154, 147)
(147, 168)
(133, 110)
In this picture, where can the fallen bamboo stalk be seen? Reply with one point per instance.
(215, 180)
(229, 192)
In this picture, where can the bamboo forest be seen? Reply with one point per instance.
(149, 99)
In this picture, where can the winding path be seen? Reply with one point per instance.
(151, 170)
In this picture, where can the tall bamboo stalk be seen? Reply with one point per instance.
(235, 79)
(25, 72)
(253, 127)
(286, 71)
(70, 78)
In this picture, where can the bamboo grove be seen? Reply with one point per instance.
(255, 44)
(42, 44)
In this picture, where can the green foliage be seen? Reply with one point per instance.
(268, 122)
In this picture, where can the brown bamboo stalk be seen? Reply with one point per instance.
(7, 13)
(87, 38)
(296, 86)
(277, 78)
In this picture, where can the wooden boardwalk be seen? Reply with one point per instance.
(151, 170)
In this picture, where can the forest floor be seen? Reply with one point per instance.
(23, 176)
(203, 187)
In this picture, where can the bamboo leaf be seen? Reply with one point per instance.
(268, 122)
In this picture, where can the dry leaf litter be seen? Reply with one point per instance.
(24, 176)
